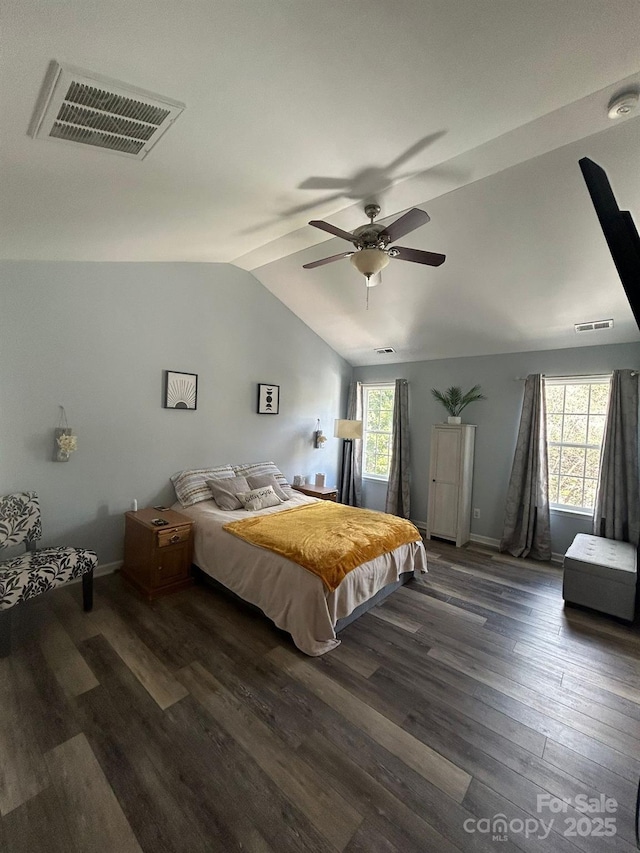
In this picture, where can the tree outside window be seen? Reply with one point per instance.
(576, 414)
(378, 430)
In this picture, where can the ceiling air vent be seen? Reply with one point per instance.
(595, 326)
(384, 350)
(79, 106)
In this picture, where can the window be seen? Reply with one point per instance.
(576, 412)
(378, 427)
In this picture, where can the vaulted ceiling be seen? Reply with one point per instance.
(475, 110)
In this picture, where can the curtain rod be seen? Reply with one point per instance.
(569, 376)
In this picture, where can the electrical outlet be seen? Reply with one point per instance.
(476, 513)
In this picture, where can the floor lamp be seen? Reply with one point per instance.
(348, 431)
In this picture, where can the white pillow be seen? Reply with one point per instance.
(259, 498)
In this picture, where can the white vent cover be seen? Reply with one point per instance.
(79, 106)
(595, 326)
(384, 350)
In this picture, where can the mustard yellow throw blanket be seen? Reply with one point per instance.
(327, 538)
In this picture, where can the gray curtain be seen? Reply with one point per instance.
(351, 472)
(527, 529)
(617, 510)
(398, 492)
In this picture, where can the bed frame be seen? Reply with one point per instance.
(341, 624)
(377, 599)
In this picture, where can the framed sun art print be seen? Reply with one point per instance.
(268, 399)
(180, 390)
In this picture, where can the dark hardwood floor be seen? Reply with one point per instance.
(194, 725)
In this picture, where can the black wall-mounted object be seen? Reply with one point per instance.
(180, 390)
(618, 229)
(638, 818)
(268, 399)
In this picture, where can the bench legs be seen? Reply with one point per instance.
(87, 591)
(5, 615)
(5, 633)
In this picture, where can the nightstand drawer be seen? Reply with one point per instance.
(173, 536)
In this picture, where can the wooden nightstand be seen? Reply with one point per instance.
(322, 492)
(157, 560)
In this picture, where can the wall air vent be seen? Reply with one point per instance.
(80, 106)
(595, 326)
(384, 350)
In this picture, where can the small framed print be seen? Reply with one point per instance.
(268, 399)
(180, 390)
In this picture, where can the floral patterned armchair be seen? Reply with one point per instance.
(34, 572)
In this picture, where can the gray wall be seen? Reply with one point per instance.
(96, 339)
(497, 419)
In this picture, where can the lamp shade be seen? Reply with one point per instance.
(370, 261)
(348, 429)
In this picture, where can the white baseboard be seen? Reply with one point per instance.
(107, 568)
(102, 569)
(494, 544)
(489, 541)
(474, 537)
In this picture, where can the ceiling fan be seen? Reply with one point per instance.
(372, 251)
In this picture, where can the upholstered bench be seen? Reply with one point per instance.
(601, 573)
(34, 572)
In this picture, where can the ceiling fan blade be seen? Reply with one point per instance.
(433, 259)
(413, 219)
(310, 205)
(332, 229)
(324, 184)
(416, 148)
(324, 261)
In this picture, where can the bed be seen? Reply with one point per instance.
(296, 600)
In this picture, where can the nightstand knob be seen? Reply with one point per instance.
(175, 538)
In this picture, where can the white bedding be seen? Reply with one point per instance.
(292, 597)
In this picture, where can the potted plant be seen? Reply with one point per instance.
(455, 401)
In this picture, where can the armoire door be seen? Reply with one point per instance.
(445, 483)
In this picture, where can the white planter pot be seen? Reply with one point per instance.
(454, 420)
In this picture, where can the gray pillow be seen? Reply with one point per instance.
(259, 498)
(225, 491)
(260, 480)
(257, 469)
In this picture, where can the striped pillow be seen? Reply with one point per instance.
(191, 485)
(257, 469)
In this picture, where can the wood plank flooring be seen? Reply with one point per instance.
(192, 724)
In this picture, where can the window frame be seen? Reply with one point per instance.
(366, 388)
(597, 379)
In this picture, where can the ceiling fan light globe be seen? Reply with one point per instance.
(369, 262)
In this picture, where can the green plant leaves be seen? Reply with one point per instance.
(455, 401)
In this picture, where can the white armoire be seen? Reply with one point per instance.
(450, 482)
